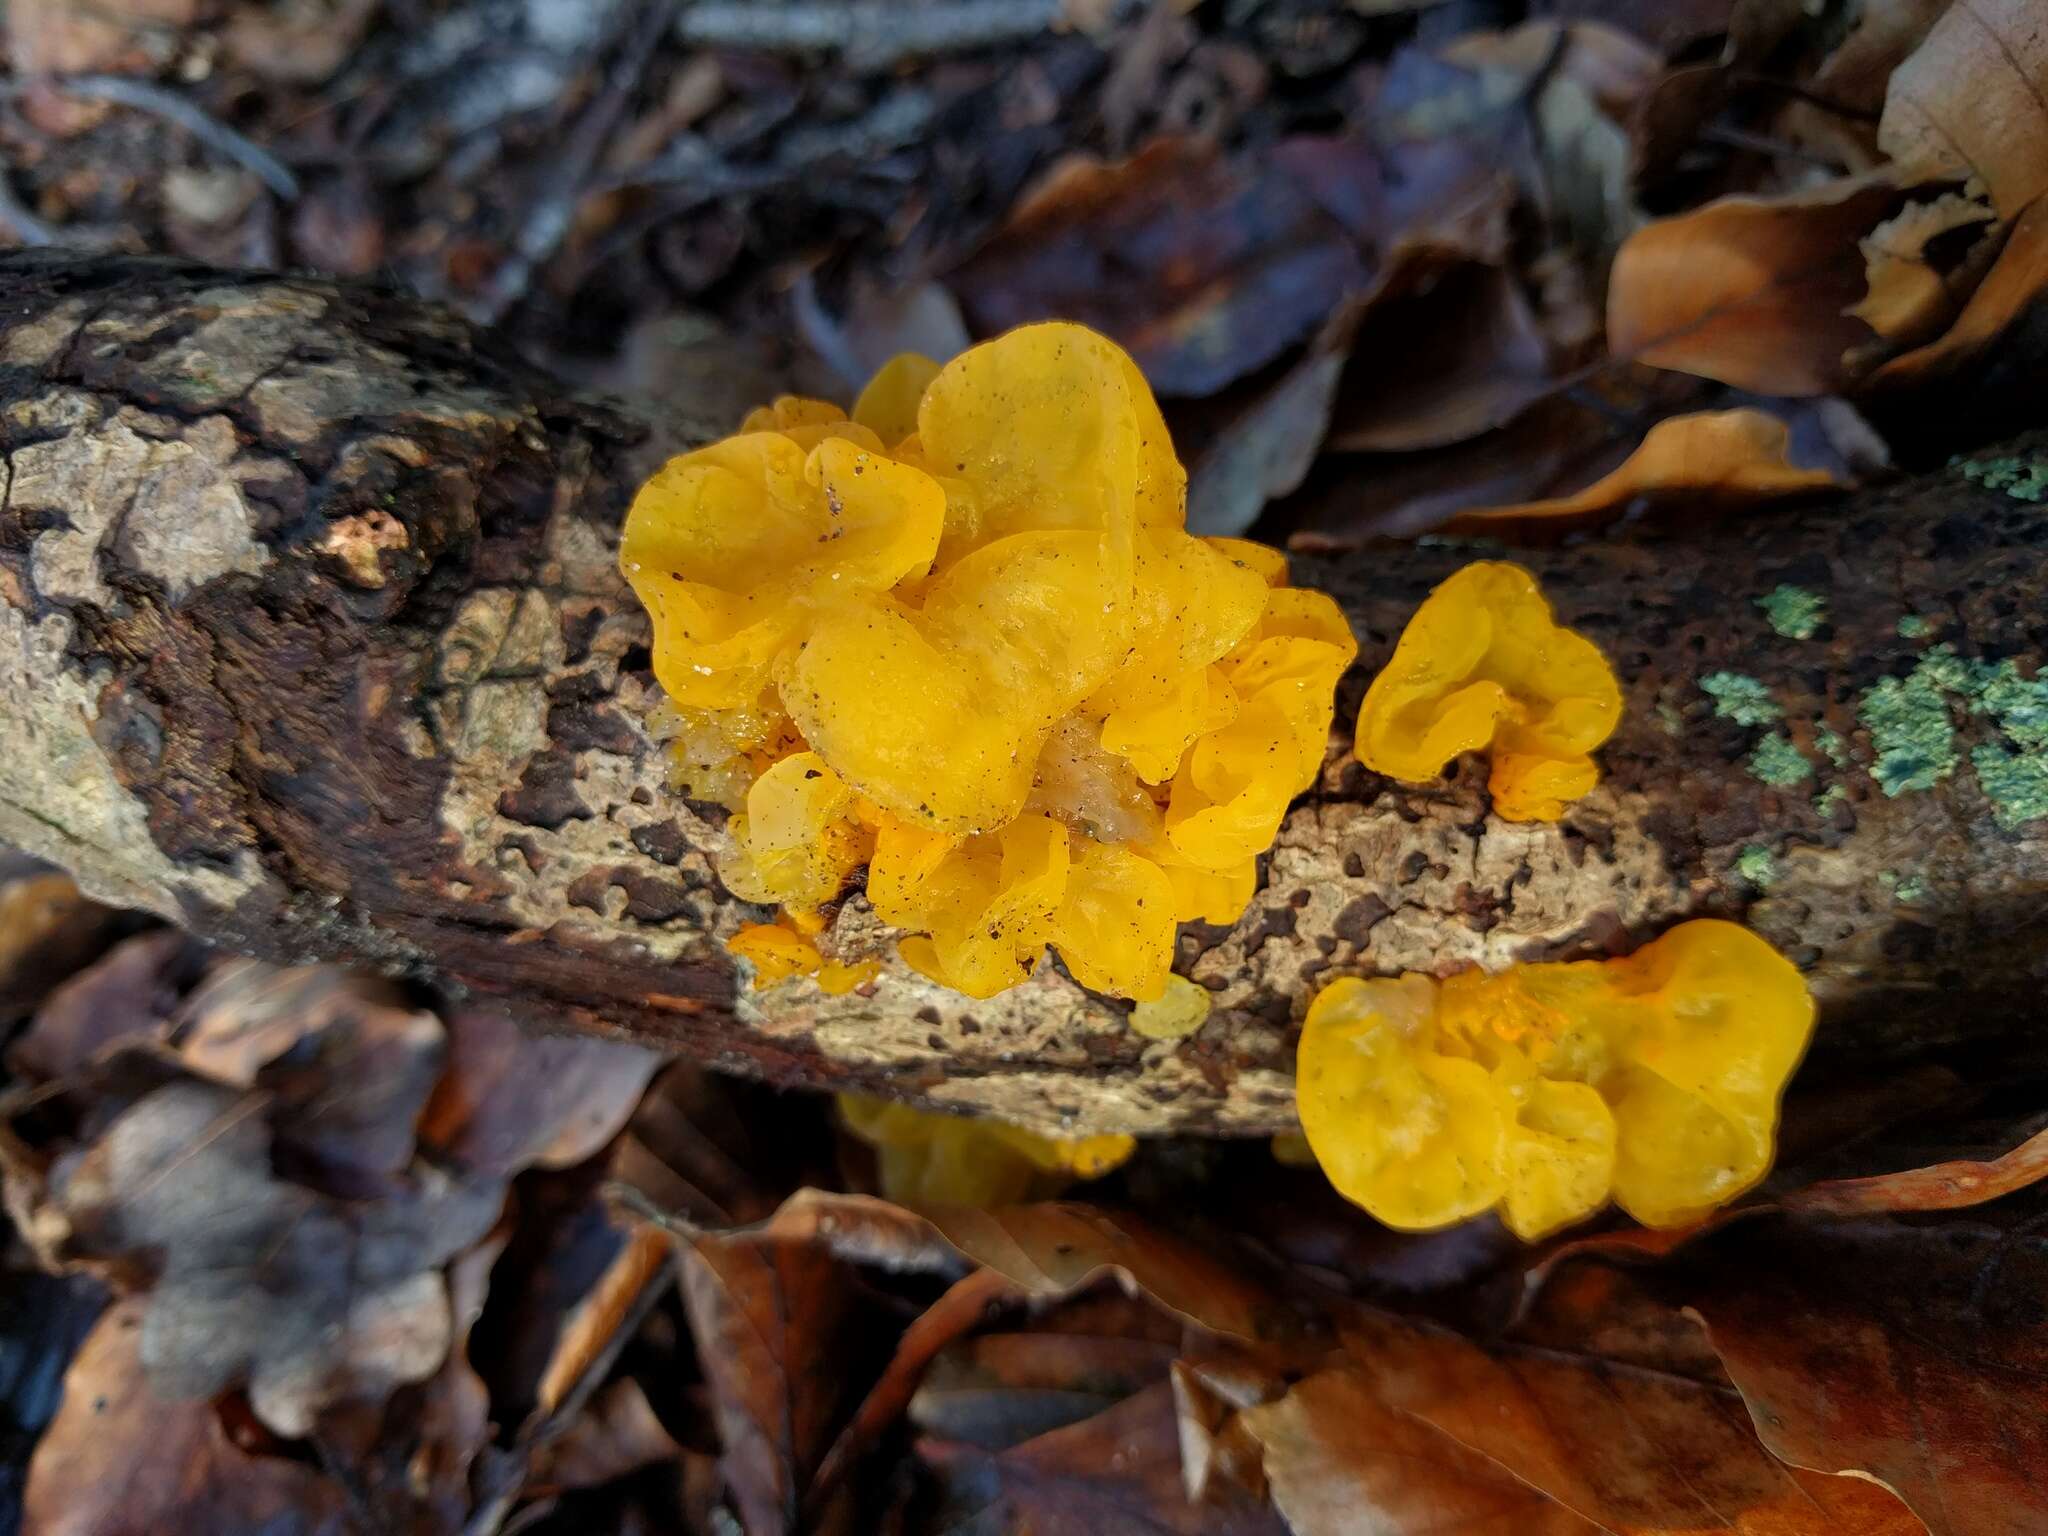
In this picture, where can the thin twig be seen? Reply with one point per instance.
(868, 34)
(146, 96)
(547, 222)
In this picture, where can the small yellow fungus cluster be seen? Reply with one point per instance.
(926, 1159)
(1482, 664)
(962, 639)
(1548, 1088)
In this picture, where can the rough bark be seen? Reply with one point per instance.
(311, 641)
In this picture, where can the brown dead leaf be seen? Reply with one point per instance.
(347, 1066)
(1846, 95)
(764, 1314)
(1342, 1463)
(130, 993)
(717, 1151)
(1266, 451)
(119, 1460)
(1721, 457)
(1446, 351)
(2014, 284)
(1970, 103)
(1239, 262)
(308, 1298)
(511, 1100)
(996, 1390)
(1118, 1471)
(302, 43)
(1750, 290)
(617, 1433)
(1613, 1407)
(48, 930)
(64, 37)
(593, 1332)
(1912, 1354)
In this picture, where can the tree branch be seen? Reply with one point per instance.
(311, 640)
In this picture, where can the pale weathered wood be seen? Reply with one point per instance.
(312, 641)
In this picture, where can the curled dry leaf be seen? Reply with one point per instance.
(996, 1390)
(118, 1459)
(1910, 299)
(2011, 288)
(48, 930)
(1750, 290)
(1915, 1355)
(1724, 457)
(307, 1298)
(1971, 104)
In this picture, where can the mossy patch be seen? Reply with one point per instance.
(1794, 612)
(1778, 763)
(1825, 802)
(1915, 626)
(1910, 730)
(2018, 704)
(1741, 698)
(1834, 744)
(1757, 865)
(1910, 889)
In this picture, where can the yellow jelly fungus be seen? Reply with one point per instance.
(1483, 665)
(964, 641)
(1180, 1011)
(1546, 1089)
(927, 1159)
(777, 953)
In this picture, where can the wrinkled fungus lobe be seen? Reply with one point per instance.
(1483, 665)
(962, 639)
(1548, 1088)
(925, 1159)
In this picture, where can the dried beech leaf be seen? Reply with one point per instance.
(1914, 1355)
(1725, 457)
(616, 1433)
(1944, 1186)
(996, 1390)
(48, 930)
(307, 1298)
(1909, 300)
(1617, 1411)
(764, 1314)
(1750, 290)
(1971, 104)
(597, 1327)
(119, 1460)
(1342, 1463)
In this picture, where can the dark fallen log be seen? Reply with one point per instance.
(312, 642)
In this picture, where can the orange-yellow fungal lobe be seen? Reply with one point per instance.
(963, 638)
(1483, 666)
(1547, 1089)
(929, 1159)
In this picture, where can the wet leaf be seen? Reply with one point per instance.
(1750, 290)
(1914, 1354)
(1969, 103)
(129, 993)
(118, 1459)
(1723, 457)
(1910, 299)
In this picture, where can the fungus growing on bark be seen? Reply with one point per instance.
(925, 1159)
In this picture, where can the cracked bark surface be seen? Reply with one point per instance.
(311, 640)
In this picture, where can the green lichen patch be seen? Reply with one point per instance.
(1915, 626)
(1794, 612)
(2021, 479)
(2017, 783)
(1832, 742)
(1741, 698)
(1910, 730)
(1757, 865)
(2018, 704)
(1825, 802)
(1909, 889)
(1778, 763)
